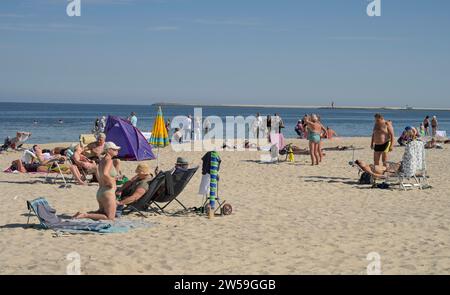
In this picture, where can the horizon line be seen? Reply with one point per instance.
(248, 106)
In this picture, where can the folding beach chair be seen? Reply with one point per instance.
(164, 188)
(17, 142)
(271, 158)
(49, 220)
(54, 167)
(441, 135)
(413, 171)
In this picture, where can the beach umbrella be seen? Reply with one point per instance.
(160, 137)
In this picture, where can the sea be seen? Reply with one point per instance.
(58, 122)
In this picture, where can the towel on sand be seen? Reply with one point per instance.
(49, 220)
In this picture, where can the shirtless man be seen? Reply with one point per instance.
(95, 149)
(382, 140)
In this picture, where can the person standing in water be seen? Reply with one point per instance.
(382, 139)
(106, 194)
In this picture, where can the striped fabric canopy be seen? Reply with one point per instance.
(159, 137)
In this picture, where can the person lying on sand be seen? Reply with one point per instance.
(433, 144)
(340, 148)
(137, 187)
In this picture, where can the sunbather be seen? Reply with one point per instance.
(378, 171)
(433, 144)
(95, 149)
(106, 196)
(134, 189)
(16, 142)
(41, 161)
(82, 161)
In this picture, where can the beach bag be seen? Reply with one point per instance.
(366, 178)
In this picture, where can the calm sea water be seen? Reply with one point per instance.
(79, 118)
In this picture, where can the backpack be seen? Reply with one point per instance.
(366, 178)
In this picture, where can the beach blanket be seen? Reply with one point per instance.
(49, 220)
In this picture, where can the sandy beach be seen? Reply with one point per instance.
(289, 218)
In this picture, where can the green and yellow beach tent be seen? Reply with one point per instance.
(159, 137)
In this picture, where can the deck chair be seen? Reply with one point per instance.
(86, 139)
(413, 171)
(17, 142)
(54, 167)
(441, 135)
(49, 220)
(271, 158)
(164, 188)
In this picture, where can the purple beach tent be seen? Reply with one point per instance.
(134, 146)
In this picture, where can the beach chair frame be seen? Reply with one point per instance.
(162, 190)
(58, 173)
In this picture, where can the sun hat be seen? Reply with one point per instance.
(142, 169)
(111, 146)
(181, 161)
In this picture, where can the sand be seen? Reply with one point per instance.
(289, 218)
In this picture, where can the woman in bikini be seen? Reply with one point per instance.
(106, 194)
(314, 128)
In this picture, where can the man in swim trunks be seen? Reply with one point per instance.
(382, 139)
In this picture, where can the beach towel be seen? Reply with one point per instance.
(278, 139)
(49, 220)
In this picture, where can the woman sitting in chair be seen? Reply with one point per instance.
(136, 188)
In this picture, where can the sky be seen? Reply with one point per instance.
(287, 52)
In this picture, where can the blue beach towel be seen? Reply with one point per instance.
(49, 220)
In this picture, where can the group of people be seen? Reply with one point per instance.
(383, 139)
(302, 132)
(110, 197)
(99, 125)
(424, 128)
(263, 127)
(190, 129)
(311, 128)
(82, 161)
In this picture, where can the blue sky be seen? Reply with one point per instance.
(290, 52)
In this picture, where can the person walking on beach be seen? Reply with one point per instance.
(314, 128)
(382, 139)
(434, 126)
(426, 125)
